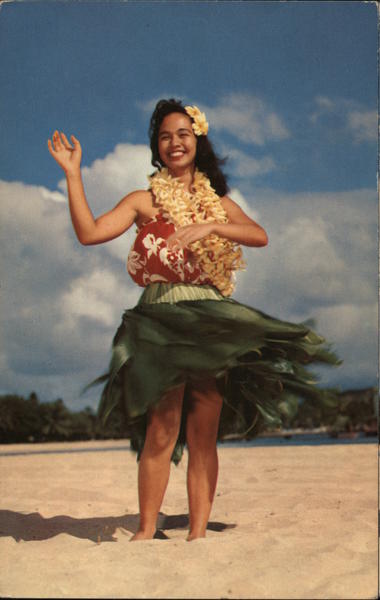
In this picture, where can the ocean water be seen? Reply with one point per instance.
(299, 439)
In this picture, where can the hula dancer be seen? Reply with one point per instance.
(189, 364)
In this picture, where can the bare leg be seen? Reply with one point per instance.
(201, 436)
(154, 467)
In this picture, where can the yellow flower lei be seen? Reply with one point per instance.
(217, 257)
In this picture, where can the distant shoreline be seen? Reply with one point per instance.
(287, 438)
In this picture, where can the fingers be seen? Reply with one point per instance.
(50, 147)
(174, 242)
(66, 142)
(175, 245)
(59, 142)
(75, 141)
(178, 242)
(76, 144)
(180, 238)
(55, 144)
(184, 236)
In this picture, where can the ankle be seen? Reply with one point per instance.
(195, 535)
(147, 530)
(143, 534)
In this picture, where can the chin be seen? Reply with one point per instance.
(181, 164)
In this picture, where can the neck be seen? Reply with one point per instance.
(185, 176)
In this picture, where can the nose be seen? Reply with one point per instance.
(174, 142)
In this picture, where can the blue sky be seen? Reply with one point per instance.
(290, 91)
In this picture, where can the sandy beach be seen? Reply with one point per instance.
(288, 522)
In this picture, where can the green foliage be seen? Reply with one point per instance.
(352, 410)
(20, 419)
(29, 420)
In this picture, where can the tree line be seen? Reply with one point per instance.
(29, 420)
(353, 410)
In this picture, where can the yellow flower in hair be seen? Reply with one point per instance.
(200, 125)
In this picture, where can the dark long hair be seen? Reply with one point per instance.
(206, 160)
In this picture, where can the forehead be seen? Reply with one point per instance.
(176, 121)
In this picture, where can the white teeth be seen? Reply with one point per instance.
(177, 153)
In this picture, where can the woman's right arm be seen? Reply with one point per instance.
(89, 230)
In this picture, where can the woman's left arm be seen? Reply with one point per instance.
(240, 228)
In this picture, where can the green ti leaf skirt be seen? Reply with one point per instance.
(182, 333)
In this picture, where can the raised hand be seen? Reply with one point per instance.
(67, 155)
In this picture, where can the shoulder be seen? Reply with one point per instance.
(137, 197)
(229, 205)
(234, 212)
(136, 200)
(227, 201)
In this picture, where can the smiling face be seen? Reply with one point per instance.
(177, 143)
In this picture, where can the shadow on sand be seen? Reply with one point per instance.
(34, 527)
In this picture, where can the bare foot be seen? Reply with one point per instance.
(142, 535)
(195, 536)
(145, 535)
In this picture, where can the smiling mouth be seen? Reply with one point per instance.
(176, 154)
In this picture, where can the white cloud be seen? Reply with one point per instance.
(358, 122)
(350, 319)
(364, 125)
(248, 118)
(148, 106)
(306, 243)
(93, 295)
(61, 302)
(321, 262)
(353, 328)
(324, 105)
(324, 102)
(322, 248)
(245, 165)
(51, 195)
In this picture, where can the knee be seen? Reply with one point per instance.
(161, 436)
(162, 440)
(164, 423)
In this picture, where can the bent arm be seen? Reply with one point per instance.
(240, 228)
(91, 231)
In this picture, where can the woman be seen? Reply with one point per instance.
(187, 352)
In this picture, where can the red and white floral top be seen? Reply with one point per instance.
(150, 260)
